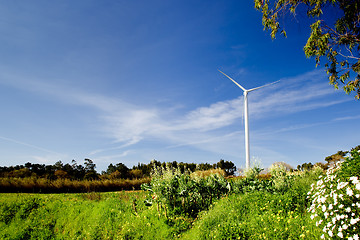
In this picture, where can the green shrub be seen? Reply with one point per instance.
(350, 167)
(281, 178)
(180, 194)
(335, 200)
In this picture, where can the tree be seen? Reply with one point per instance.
(227, 166)
(333, 159)
(338, 41)
(90, 172)
(305, 166)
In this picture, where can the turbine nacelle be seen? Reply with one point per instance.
(248, 90)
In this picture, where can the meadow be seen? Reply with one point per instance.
(310, 204)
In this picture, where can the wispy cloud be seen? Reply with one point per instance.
(128, 124)
(30, 145)
(347, 118)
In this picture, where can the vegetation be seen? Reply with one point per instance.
(307, 204)
(336, 200)
(72, 177)
(335, 34)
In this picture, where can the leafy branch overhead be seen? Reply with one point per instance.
(335, 35)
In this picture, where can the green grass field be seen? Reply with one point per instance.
(67, 216)
(123, 215)
(289, 205)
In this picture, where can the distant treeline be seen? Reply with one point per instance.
(87, 171)
(73, 177)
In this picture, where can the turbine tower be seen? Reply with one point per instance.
(246, 116)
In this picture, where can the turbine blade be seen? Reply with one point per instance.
(263, 86)
(234, 81)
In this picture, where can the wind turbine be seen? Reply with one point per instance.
(246, 116)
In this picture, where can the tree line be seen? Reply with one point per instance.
(87, 171)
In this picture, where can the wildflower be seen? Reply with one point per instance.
(341, 185)
(349, 192)
(354, 221)
(330, 233)
(356, 237)
(354, 180)
(340, 234)
(323, 208)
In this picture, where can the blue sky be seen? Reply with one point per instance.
(131, 81)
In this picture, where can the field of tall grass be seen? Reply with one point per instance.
(299, 205)
(43, 185)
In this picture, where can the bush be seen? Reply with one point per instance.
(335, 200)
(281, 178)
(350, 167)
(180, 194)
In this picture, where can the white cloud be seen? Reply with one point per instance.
(128, 124)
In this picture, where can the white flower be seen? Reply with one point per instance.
(323, 236)
(340, 234)
(349, 192)
(335, 196)
(330, 233)
(345, 226)
(356, 237)
(323, 208)
(341, 206)
(357, 186)
(354, 180)
(330, 207)
(326, 214)
(354, 220)
(348, 209)
(341, 185)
